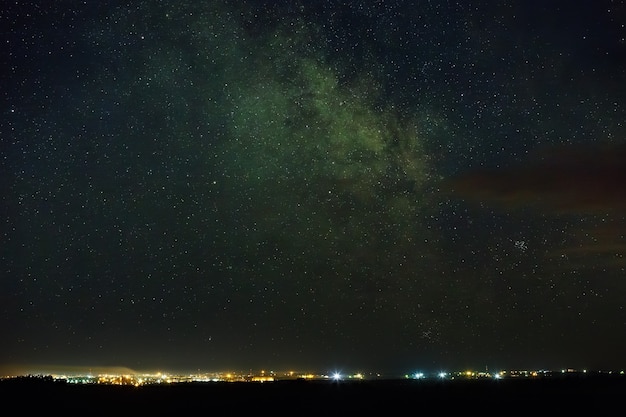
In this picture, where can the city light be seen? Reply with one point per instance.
(162, 378)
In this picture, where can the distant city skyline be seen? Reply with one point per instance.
(293, 373)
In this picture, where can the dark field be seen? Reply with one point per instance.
(583, 396)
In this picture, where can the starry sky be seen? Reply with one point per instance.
(376, 186)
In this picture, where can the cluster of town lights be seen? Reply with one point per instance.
(336, 376)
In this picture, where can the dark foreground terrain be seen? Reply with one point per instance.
(582, 395)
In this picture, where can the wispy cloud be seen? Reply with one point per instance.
(585, 182)
(560, 180)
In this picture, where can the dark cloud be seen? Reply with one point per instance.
(584, 182)
(560, 180)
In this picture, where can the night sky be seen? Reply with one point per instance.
(374, 186)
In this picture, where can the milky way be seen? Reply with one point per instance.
(376, 186)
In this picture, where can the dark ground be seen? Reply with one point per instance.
(581, 395)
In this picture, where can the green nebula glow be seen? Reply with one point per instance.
(320, 158)
(335, 182)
